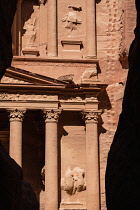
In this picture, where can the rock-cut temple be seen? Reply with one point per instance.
(61, 98)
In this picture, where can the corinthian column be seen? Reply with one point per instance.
(92, 160)
(52, 28)
(91, 28)
(16, 118)
(51, 161)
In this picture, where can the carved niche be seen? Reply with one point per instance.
(74, 181)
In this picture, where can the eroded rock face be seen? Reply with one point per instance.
(123, 165)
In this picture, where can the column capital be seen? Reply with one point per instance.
(91, 116)
(16, 114)
(51, 115)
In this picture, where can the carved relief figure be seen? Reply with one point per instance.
(89, 73)
(30, 33)
(72, 19)
(74, 181)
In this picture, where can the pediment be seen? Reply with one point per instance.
(22, 77)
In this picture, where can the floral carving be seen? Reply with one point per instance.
(16, 115)
(51, 115)
(74, 181)
(91, 116)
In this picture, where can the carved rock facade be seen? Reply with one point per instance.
(65, 55)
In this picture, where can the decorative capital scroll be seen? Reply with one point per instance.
(16, 115)
(51, 115)
(91, 116)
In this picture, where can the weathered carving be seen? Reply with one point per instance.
(74, 181)
(72, 19)
(27, 97)
(30, 33)
(51, 115)
(89, 73)
(16, 115)
(91, 117)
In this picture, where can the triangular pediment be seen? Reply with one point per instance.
(19, 76)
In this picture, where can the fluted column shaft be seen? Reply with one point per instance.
(52, 28)
(91, 29)
(92, 161)
(15, 144)
(51, 160)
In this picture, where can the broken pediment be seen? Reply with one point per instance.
(19, 76)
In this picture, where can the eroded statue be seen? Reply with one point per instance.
(74, 181)
(30, 33)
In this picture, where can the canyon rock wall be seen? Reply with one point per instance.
(123, 165)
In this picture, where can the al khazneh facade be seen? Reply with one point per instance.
(60, 100)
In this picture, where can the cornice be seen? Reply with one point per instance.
(52, 59)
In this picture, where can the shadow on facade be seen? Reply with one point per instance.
(34, 149)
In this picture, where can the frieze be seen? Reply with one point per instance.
(27, 97)
(71, 99)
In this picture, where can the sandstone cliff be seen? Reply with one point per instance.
(123, 165)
